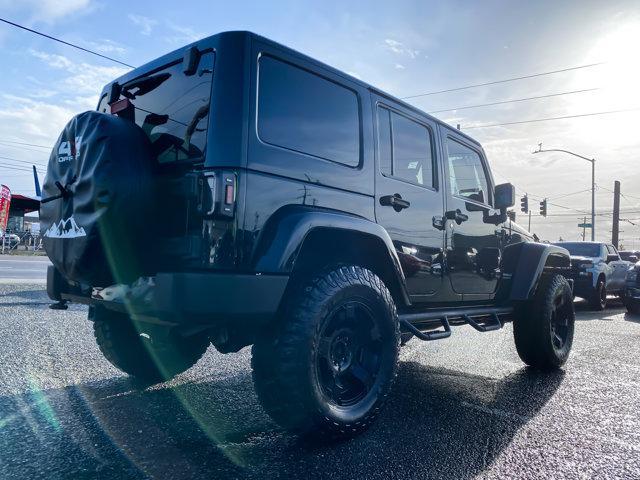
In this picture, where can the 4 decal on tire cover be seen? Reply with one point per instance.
(97, 199)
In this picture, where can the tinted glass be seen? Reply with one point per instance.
(173, 109)
(307, 113)
(581, 249)
(384, 140)
(412, 160)
(466, 173)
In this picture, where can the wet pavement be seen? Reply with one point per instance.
(464, 407)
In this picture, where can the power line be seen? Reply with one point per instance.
(65, 43)
(29, 162)
(513, 79)
(502, 102)
(15, 167)
(27, 144)
(553, 118)
(572, 193)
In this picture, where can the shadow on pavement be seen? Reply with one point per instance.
(438, 423)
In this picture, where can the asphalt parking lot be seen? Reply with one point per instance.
(464, 407)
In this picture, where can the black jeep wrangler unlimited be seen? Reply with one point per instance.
(236, 192)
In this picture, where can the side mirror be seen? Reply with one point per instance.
(633, 258)
(504, 196)
(612, 258)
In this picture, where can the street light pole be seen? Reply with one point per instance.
(593, 183)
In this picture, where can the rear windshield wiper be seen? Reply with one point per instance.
(144, 85)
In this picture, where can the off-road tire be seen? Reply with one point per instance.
(534, 326)
(288, 364)
(598, 299)
(155, 358)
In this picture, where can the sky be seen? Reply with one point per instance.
(406, 48)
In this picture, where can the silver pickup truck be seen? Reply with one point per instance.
(597, 271)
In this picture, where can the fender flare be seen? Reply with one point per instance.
(282, 238)
(532, 260)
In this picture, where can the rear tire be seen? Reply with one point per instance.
(151, 357)
(543, 328)
(598, 300)
(329, 368)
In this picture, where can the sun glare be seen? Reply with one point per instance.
(619, 82)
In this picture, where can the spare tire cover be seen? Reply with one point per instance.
(94, 233)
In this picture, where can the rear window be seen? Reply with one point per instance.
(173, 109)
(301, 111)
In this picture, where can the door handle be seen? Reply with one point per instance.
(395, 201)
(438, 222)
(456, 215)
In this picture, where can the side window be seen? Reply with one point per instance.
(467, 177)
(405, 149)
(384, 140)
(302, 111)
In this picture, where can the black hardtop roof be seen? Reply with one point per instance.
(242, 36)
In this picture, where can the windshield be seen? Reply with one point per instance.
(173, 109)
(580, 249)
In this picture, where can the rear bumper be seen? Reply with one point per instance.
(192, 298)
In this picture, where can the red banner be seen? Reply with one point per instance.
(5, 202)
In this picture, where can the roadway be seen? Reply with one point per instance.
(23, 268)
(462, 408)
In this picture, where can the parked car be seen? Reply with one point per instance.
(9, 240)
(597, 271)
(632, 290)
(630, 255)
(293, 208)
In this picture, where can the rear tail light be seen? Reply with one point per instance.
(221, 193)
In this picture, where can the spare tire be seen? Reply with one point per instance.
(97, 199)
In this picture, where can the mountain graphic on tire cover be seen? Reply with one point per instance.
(100, 182)
(65, 229)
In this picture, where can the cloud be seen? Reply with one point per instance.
(47, 11)
(83, 78)
(145, 23)
(107, 46)
(399, 66)
(399, 49)
(183, 34)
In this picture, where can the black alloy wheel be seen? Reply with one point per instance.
(349, 354)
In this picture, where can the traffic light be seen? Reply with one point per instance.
(512, 215)
(524, 204)
(543, 207)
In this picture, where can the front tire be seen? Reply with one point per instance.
(633, 307)
(543, 328)
(598, 300)
(152, 357)
(329, 368)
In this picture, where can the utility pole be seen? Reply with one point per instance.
(584, 228)
(529, 229)
(616, 214)
(593, 183)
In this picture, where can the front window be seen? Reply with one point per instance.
(467, 177)
(173, 109)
